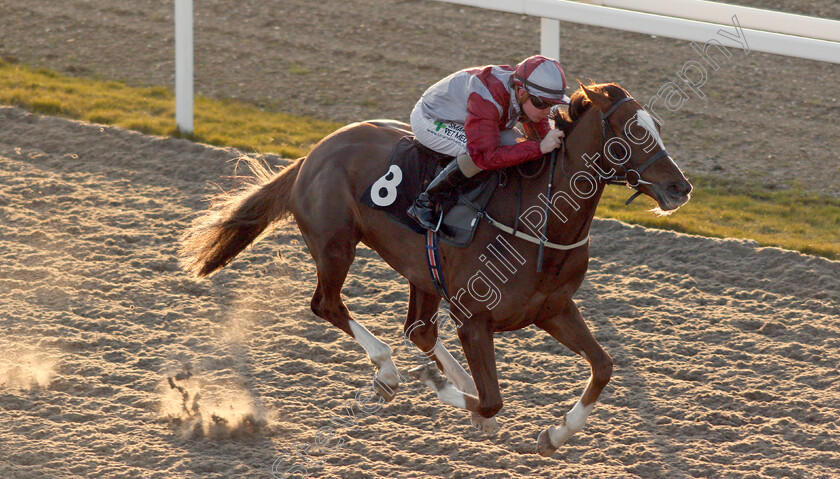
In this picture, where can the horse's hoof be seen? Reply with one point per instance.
(488, 425)
(544, 446)
(421, 372)
(386, 392)
(429, 375)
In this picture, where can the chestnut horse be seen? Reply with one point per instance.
(322, 190)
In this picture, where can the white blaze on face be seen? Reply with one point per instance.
(644, 120)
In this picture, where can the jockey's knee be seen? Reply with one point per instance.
(467, 165)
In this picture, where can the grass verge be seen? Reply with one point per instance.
(791, 218)
(152, 110)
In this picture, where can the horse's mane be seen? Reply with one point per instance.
(579, 104)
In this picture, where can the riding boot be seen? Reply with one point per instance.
(424, 208)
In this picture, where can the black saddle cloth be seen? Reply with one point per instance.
(410, 170)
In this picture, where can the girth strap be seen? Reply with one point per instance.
(433, 261)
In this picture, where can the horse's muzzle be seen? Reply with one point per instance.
(672, 195)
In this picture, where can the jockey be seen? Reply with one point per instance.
(471, 115)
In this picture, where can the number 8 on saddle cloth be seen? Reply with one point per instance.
(411, 168)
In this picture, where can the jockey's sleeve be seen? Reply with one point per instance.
(484, 138)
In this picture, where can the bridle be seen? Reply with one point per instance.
(629, 177)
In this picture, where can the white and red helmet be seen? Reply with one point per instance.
(543, 78)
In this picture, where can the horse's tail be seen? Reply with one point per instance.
(236, 220)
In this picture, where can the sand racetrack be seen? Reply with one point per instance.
(726, 353)
(766, 118)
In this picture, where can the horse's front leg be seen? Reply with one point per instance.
(476, 338)
(569, 328)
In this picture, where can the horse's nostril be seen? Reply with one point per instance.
(679, 188)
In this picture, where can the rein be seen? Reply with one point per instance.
(631, 178)
(533, 239)
(548, 195)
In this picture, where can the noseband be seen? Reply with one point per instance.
(632, 177)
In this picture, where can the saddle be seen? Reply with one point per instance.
(411, 168)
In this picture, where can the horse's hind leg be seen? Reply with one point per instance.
(333, 257)
(569, 328)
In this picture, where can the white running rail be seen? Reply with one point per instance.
(694, 20)
(184, 65)
(765, 31)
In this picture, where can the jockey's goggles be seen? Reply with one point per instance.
(542, 103)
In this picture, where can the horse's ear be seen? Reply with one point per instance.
(597, 98)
